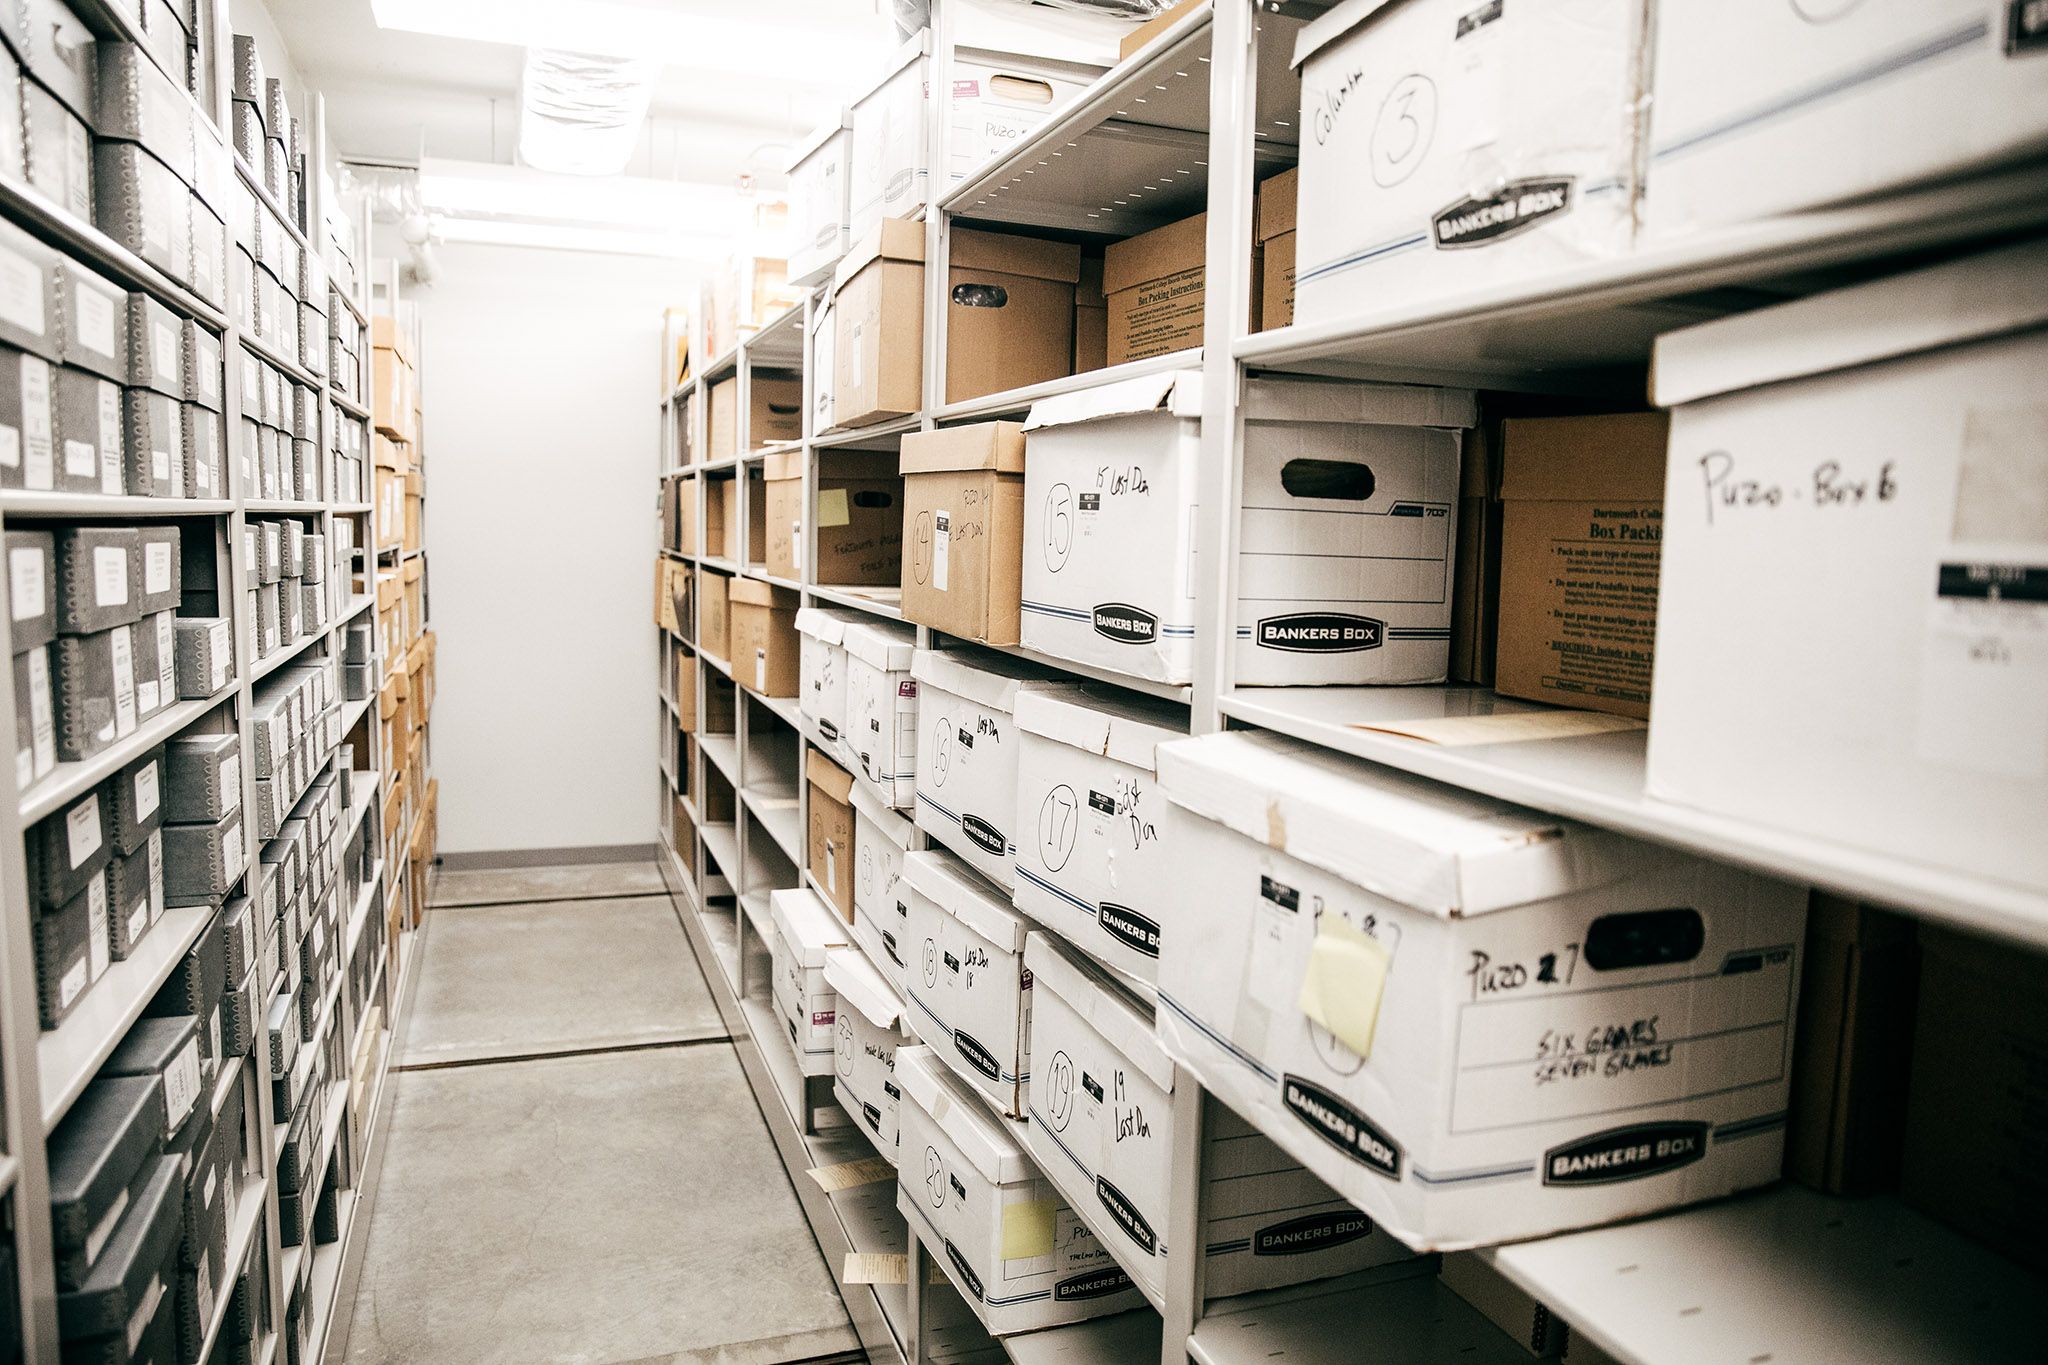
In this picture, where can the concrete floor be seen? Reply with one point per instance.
(527, 885)
(603, 1207)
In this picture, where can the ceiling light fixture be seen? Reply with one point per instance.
(580, 114)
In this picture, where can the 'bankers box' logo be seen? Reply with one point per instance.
(1514, 208)
(1126, 624)
(984, 834)
(976, 1056)
(1129, 928)
(1343, 1127)
(1314, 1232)
(1321, 632)
(1625, 1154)
(1127, 1216)
(1094, 1285)
(968, 1279)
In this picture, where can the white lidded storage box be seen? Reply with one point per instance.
(805, 930)
(821, 672)
(1022, 1259)
(1093, 863)
(1451, 148)
(964, 976)
(879, 736)
(1852, 637)
(1102, 1128)
(1345, 540)
(1477, 1022)
(881, 836)
(1764, 107)
(967, 753)
(819, 210)
(870, 1028)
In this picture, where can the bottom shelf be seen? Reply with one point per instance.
(1410, 1317)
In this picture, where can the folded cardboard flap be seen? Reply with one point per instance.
(979, 445)
(1107, 1006)
(955, 888)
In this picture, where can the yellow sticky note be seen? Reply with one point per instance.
(832, 507)
(1347, 971)
(1027, 1229)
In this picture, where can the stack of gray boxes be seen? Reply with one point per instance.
(280, 420)
(99, 575)
(289, 599)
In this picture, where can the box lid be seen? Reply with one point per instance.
(1008, 254)
(893, 824)
(1156, 254)
(982, 676)
(823, 624)
(883, 644)
(1123, 1021)
(101, 1144)
(1349, 402)
(824, 133)
(413, 569)
(978, 445)
(1178, 392)
(1952, 304)
(985, 1140)
(1275, 204)
(1439, 849)
(754, 593)
(892, 239)
(1333, 25)
(1116, 724)
(958, 890)
(783, 466)
(848, 971)
(828, 776)
(120, 1275)
(808, 929)
(1619, 457)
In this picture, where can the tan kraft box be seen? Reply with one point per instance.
(764, 646)
(1155, 286)
(1274, 304)
(1582, 527)
(714, 625)
(963, 545)
(878, 326)
(860, 518)
(1009, 312)
(831, 832)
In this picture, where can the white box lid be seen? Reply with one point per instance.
(982, 676)
(1334, 24)
(957, 889)
(896, 827)
(833, 127)
(1438, 849)
(1107, 721)
(823, 624)
(807, 926)
(1178, 392)
(1957, 302)
(848, 971)
(884, 644)
(982, 1138)
(1109, 1009)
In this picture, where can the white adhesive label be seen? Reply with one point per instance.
(41, 712)
(166, 655)
(82, 831)
(230, 783)
(99, 948)
(123, 648)
(81, 460)
(156, 876)
(10, 446)
(110, 438)
(147, 791)
(38, 435)
(27, 588)
(169, 359)
(109, 576)
(74, 981)
(21, 292)
(95, 311)
(181, 1084)
(156, 568)
(942, 535)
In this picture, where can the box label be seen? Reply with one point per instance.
(146, 791)
(27, 588)
(42, 713)
(1513, 209)
(942, 535)
(82, 831)
(95, 326)
(123, 649)
(99, 947)
(110, 576)
(156, 570)
(39, 439)
(1625, 1154)
(21, 292)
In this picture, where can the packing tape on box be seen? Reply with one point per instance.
(1347, 973)
(847, 1174)
(1508, 727)
(832, 510)
(1027, 1229)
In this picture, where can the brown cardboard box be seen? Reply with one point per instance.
(963, 514)
(860, 518)
(664, 594)
(682, 835)
(415, 572)
(715, 715)
(1852, 1048)
(390, 509)
(390, 454)
(722, 517)
(1153, 27)
(722, 419)
(764, 648)
(1582, 519)
(713, 620)
(686, 514)
(391, 394)
(1091, 318)
(756, 547)
(878, 326)
(1475, 563)
(1273, 304)
(1155, 286)
(1009, 312)
(775, 408)
(1975, 1141)
(716, 800)
(415, 510)
(830, 857)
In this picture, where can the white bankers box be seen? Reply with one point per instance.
(869, 1028)
(1765, 107)
(1344, 569)
(1102, 1128)
(1008, 1242)
(805, 930)
(1449, 147)
(1852, 642)
(880, 733)
(1092, 859)
(964, 976)
(818, 205)
(1477, 1022)
(821, 673)
(881, 836)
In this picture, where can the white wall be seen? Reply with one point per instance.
(539, 395)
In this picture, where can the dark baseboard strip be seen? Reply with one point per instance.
(489, 859)
(545, 900)
(512, 1058)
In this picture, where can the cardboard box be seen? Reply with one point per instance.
(1973, 1142)
(1102, 1130)
(88, 425)
(805, 931)
(1155, 286)
(1844, 541)
(830, 857)
(98, 578)
(764, 648)
(881, 912)
(879, 736)
(1863, 99)
(1344, 573)
(1852, 1052)
(1020, 1257)
(713, 621)
(1582, 523)
(963, 514)
(686, 515)
(1135, 41)
(1274, 304)
(1446, 156)
(819, 210)
(964, 976)
(871, 1027)
(967, 760)
(878, 326)
(823, 351)
(821, 672)
(1091, 318)
(35, 723)
(722, 419)
(1093, 862)
(1400, 982)
(1009, 311)
(860, 518)
(722, 518)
